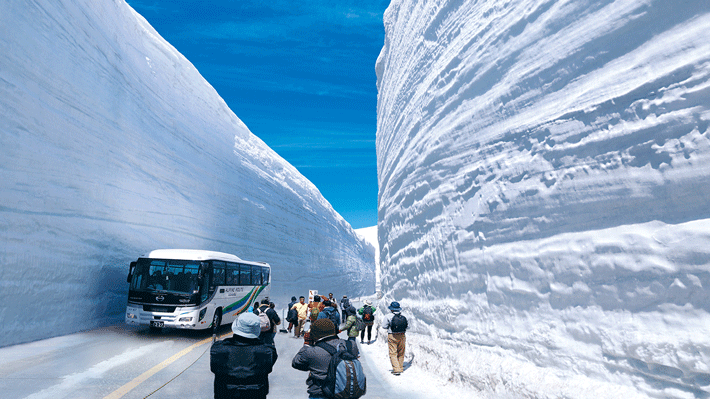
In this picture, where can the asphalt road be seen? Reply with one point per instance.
(132, 362)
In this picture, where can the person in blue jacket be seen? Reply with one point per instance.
(329, 311)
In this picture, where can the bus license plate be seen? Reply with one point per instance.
(159, 324)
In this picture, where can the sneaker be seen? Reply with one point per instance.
(362, 342)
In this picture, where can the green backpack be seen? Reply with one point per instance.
(314, 313)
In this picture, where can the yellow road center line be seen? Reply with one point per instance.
(141, 378)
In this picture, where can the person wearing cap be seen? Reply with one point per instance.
(241, 364)
(396, 325)
(365, 311)
(315, 359)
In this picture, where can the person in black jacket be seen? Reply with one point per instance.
(344, 304)
(292, 316)
(241, 364)
(274, 320)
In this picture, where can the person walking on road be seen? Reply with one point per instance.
(302, 309)
(292, 314)
(316, 360)
(367, 312)
(396, 326)
(344, 304)
(334, 303)
(329, 311)
(314, 308)
(274, 320)
(351, 323)
(241, 364)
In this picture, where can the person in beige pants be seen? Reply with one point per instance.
(302, 309)
(396, 326)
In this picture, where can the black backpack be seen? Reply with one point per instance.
(398, 324)
(346, 378)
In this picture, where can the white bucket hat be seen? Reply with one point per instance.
(247, 325)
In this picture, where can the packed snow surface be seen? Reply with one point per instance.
(114, 145)
(544, 201)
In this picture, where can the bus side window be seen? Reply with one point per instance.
(245, 275)
(256, 275)
(218, 273)
(265, 274)
(232, 274)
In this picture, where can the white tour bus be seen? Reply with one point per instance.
(193, 289)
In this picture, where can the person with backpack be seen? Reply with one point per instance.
(269, 319)
(396, 325)
(302, 311)
(241, 364)
(344, 304)
(329, 311)
(351, 323)
(292, 315)
(332, 364)
(367, 312)
(314, 308)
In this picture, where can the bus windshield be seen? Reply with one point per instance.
(179, 276)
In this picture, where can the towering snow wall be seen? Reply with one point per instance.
(113, 145)
(544, 203)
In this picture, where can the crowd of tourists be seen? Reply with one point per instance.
(242, 363)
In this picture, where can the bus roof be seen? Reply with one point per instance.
(190, 254)
(196, 254)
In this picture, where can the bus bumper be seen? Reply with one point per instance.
(180, 318)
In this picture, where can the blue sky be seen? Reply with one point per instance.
(300, 74)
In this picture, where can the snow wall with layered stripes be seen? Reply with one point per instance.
(544, 193)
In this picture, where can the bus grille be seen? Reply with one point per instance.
(162, 309)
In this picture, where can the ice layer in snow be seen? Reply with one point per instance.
(544, 193)
(113, 145)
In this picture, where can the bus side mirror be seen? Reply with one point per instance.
(131, 267)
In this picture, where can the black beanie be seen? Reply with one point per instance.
(322, 328)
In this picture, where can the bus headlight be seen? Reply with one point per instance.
(202, 314)
(186, 319)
